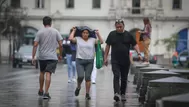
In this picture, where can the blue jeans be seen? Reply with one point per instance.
(69, 63)
(74, 69)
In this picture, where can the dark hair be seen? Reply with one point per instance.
(147, 20)
(119, 21)
(47, 20)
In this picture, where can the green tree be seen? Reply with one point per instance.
(170, 42)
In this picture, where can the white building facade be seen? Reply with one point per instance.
(167, 16)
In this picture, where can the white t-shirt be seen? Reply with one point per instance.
(85, 49)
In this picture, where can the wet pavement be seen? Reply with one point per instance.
(19, 87)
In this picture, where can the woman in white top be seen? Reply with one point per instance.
(84, 57)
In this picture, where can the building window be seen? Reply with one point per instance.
(40, 3)
(136, 7)
(177, 4)
(69, 3)
(96, 3)
(15, 3)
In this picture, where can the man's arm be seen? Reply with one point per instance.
(137, 49)
(60, 47)
(107, 49)
(34, 49)
(59, 40)
(35, 45)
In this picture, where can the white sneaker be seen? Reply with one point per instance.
(69, 81)
(74, 80)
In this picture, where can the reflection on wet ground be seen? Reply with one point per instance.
(19, 89)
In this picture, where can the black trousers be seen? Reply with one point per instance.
(120, 70)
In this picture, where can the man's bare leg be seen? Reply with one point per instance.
(47, 81)
(41, 81)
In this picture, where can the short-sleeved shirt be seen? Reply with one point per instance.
(120, 44)
(85, 49)
(48, 39)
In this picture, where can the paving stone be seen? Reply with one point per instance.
(19, 89)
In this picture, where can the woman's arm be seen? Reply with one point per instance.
(99, 37)
(71, 37)
(146, 30)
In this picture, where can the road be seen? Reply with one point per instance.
(19, 87)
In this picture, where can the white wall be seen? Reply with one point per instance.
(167, 6)
(160, 29)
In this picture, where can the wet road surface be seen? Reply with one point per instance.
(19, 87)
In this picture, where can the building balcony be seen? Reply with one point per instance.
(136, 12)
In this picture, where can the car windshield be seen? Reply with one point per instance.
(26, 49)
(184, 53)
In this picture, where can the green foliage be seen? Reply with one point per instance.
(170, 43)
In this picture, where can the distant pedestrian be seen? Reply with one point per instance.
(175, 59)
(94, 72)
(74, 70)
(47, 39)
(68, 52)
(120, 40)
(146, 38)
(84, 57)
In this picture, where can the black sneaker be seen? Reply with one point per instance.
(77, 91)
(46, 96)
(87, 97)
(40, 93)
(116, 97)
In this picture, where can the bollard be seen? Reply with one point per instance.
(147, 76)
(184, 73)
(181, 100)
(165, 87)
(146, 69)
(137, 67)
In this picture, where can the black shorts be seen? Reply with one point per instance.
(48, 65)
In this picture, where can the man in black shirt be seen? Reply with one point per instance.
(120, 41)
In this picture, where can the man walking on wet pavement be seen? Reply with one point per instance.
(120, 41)
(47, 39)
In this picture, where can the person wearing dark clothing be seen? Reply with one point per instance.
(73, 49)
(120, 41)
(68, 52)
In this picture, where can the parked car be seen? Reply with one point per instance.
(152, 58)
(23, 57)
(183, 58)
